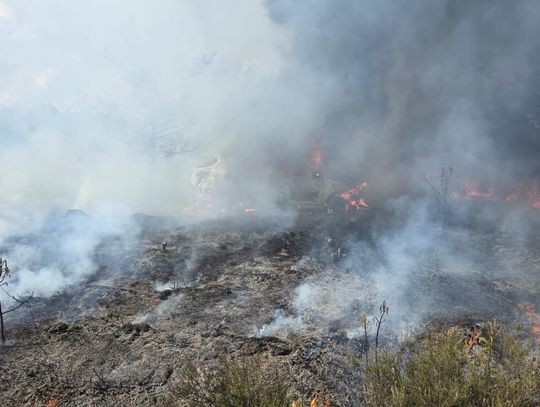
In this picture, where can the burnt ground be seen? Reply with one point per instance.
(123, 337)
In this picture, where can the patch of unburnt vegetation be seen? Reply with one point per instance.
(242, 382)
(490, 366)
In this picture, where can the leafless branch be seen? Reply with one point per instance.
(440, 192)
(20, 302)
(4, 273)
(168, 147)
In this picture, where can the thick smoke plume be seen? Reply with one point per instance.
(409, 88)
(93, 95)
(106, 106)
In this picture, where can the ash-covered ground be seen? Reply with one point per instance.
(290, 293)
(261, 109)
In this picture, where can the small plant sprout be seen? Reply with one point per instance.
(364, 323)
(383, 310)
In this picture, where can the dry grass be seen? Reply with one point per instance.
(445, 368)
(233, 383)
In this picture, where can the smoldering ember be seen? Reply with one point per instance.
(269, 203)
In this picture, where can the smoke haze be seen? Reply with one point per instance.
(106, 106)
(388, 92)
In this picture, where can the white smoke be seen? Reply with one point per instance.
(92, 92)
(164, 310)
(60, 252)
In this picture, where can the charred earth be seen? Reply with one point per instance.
(291, 294)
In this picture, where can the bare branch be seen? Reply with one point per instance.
(170, 140)
(4, 273)
(440, 192)
(20, 303)
(169, 147)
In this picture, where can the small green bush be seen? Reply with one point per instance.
(233, 383)
(441, 369)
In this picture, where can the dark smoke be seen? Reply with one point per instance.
(405, 88)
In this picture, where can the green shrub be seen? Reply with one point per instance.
(233, 383)
(442, 369)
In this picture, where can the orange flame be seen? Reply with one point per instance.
(472, 191)
(532, 318)
(473, 339)
(316, 401)
(351, 198)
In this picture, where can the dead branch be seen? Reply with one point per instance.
(440, 192)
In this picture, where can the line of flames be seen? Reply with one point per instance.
(472, 191)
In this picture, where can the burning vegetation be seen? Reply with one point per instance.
(243, 311)
(270, 203)
(473, 191)
(352, 197)
(306, 189)
(531, 317)
(262, 311)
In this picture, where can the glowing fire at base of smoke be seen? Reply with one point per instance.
(351, 198)
(532, 318)
(473, 191)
